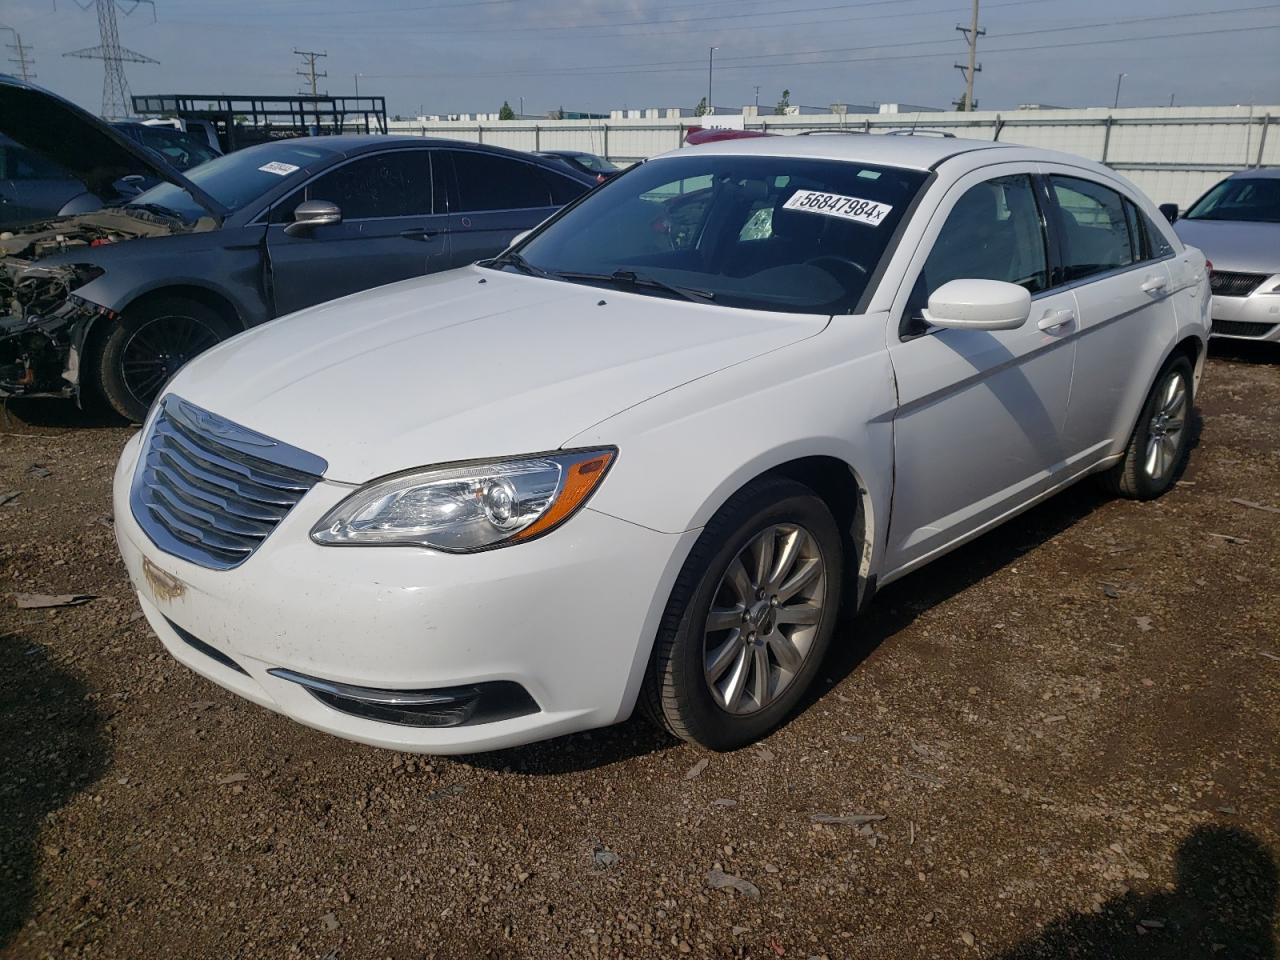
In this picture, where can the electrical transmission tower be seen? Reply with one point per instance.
(309, 67)
(971, 35)
(22, 55)
(115, 88)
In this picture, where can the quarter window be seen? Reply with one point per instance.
(488, 182)
(994, 232)
(1096, 232)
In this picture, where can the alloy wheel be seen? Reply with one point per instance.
(158, 349)
(1164, 432)
(764, 618)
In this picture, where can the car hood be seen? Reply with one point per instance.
(82, 144)
(468, 364)
(1234, 245)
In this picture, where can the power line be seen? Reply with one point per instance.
(115, 88)
(308, 72)
(24, 62)
(756, 61)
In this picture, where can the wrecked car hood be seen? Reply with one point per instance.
(467, 364)
(82, 144)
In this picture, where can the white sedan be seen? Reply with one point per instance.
(644, 456)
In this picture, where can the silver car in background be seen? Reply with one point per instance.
(1237, 225)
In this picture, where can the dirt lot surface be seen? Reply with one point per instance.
(1071, 730)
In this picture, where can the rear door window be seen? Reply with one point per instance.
(1096, 232)
(489, 182)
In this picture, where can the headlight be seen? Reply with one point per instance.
(472, 506)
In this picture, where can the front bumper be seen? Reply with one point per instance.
(569, 618)
(1255, 317)
(40, 355)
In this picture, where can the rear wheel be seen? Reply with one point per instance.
(149, 345)
(1159, 446)
(750, 617)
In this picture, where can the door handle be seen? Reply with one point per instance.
(417, 233)
(1154, 284)
(1053, 319)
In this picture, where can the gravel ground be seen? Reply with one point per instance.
(1068, 731)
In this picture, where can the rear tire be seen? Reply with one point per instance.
(148, 345)
(738, 647)
(1160, 443)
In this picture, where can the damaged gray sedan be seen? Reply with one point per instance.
(109, 303)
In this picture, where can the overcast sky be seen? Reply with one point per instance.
(470, 55)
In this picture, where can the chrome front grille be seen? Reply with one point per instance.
(209, 490)
(1226, 283)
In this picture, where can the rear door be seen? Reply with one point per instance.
(496, 197)
(1117, 263)
(978, 430)
(394, 226)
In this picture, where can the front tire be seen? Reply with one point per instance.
(148, 345)
(1160, 443)
(750, 617)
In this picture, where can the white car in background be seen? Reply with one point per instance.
(646, 454)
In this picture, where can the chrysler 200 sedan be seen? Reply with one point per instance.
(647, 453)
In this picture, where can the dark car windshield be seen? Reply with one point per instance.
(767, 233)
(1255, 199)
(181, 149)
(236, 179)
(593, 163)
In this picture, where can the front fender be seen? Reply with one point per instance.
(682, 454)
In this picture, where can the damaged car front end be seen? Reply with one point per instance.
(43, 324)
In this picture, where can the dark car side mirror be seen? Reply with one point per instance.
(1170, 211)
(311, 214)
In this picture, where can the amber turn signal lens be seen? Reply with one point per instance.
(583, 477)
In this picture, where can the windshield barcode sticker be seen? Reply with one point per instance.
(870, 212)
(278, 168)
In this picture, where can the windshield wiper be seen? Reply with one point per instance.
(511, 259)
(632, 279)
(157, 209)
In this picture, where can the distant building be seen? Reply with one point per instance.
(908, 108)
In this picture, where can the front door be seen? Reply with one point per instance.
(978, 430)
(390, 230)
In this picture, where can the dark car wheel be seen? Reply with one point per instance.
(149, 345)
(1158, 449)
(749, 619)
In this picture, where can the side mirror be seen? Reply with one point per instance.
(1170, 211)
(519, 238)
(311, 214)
(978, 305)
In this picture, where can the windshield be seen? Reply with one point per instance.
(767, 233)
(1255, 199)
(236, 179)
(181, 149)
(594, 163)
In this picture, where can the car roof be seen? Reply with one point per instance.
(917, 153)
(1257, 173)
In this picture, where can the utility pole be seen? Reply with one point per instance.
(711, 65)
(357, 76)
(1119, 80)
(308, 72)
(23, 60)
(115, 88)
(757, 98)
(971, 35)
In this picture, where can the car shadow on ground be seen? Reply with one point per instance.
(1245, 351)
(54, 412)
(51, 747)
(1222, 905)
